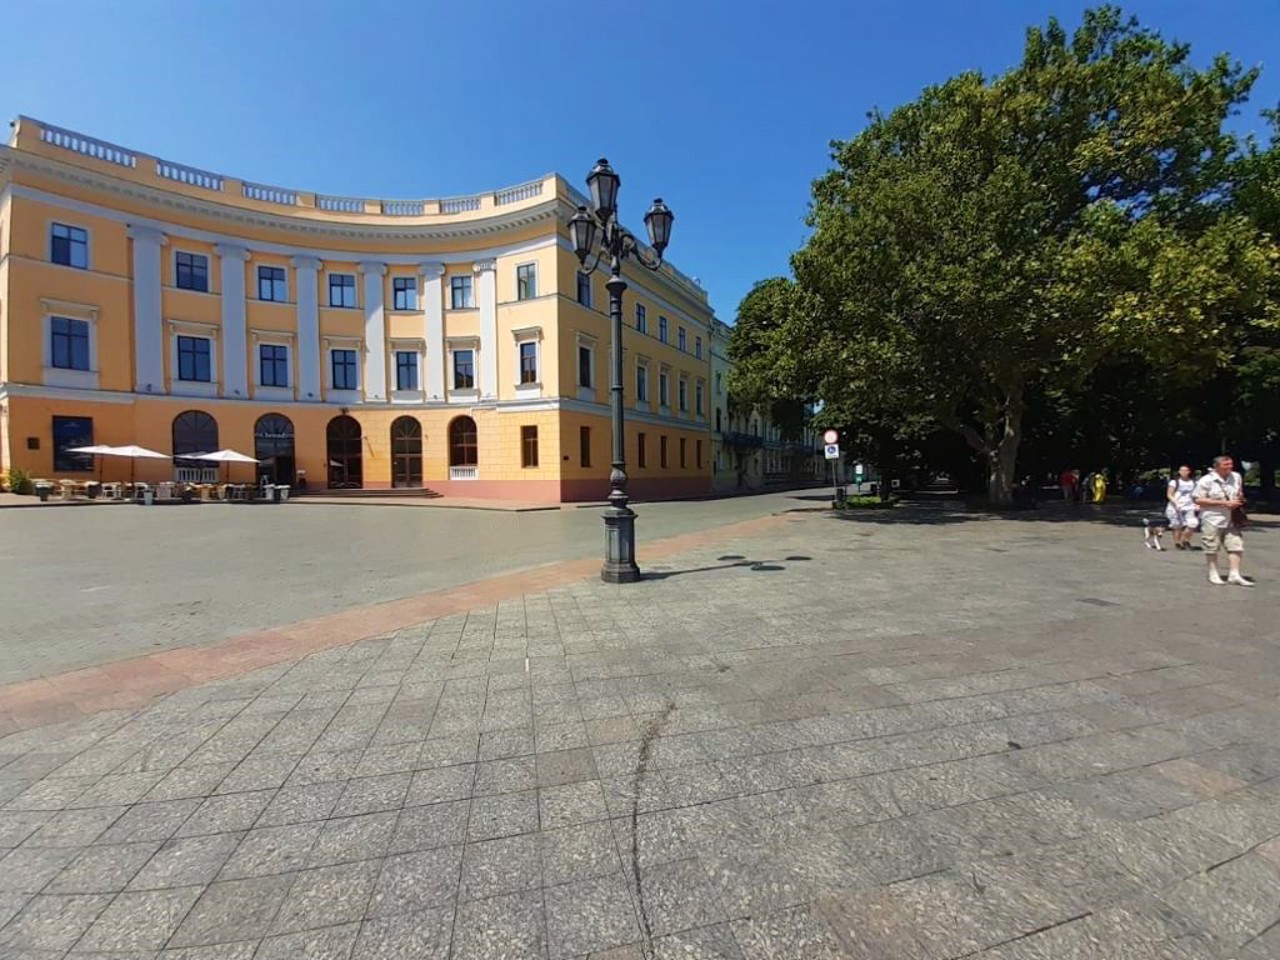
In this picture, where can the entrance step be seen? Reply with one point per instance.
(361, 494)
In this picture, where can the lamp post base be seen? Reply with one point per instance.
(619, 546)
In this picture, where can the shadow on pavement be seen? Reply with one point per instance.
(1119, 514)
(727, 562)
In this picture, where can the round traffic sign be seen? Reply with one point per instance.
(831, 436)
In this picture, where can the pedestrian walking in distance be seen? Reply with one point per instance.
(1068, 480)
(1220, 496)
(1184, 518)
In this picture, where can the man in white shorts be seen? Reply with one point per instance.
(1181, 511)
(1219, 494)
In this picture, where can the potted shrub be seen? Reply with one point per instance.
(92, 489)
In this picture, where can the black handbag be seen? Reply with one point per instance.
(1239, 519)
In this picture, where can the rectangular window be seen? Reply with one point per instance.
(664, 391)
(342, 290)
(404, 293)
(682, 340)
(642, 383)
(529, 362)
(662, 452)
(460, 296)
(464, 369)
(684, 395)
(406, 370)
(584, 366)
(272, 284)
(584, 288)
(697, 347)
(642, 453)
(69, 349)
(69, 246)
(682, 456)
(273, 365)
(191, 271)
(697, 398)
(194, 359)
(584, 446)
(663, 329)
(642, 318)
(526, 281)
(72, 432)
(342, 363)
(528, 446)
(698, 447)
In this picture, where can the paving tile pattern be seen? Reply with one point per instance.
(857, 740)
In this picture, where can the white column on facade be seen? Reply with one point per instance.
(235, 369)
(487, 301)
(308, 328)
(433, 332)
(375, 332)
(148, 326)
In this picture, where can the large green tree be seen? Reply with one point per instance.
(1000, 236)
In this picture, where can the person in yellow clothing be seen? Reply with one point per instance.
(1099, 490)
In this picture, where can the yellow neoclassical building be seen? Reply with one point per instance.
(446, 344)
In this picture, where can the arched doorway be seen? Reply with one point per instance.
(194, 432)
(406, 453)
(463, 449)
(273, 448)
(346, 455)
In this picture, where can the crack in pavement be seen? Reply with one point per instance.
(651, 731)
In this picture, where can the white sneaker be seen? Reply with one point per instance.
(1216, 578)
(1239, 581)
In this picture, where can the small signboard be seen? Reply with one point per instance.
(833, 451)
(831, 436)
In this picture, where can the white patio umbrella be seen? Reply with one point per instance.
(134, 453)
(97, 450)
(221, 456)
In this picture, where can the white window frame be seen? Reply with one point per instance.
(257, 282)
(417, 295)
(700, 399)
(519, 266)
(208, 270)
(697, 347)
(528, 391)
(328, 299)
(682, 339)
(57, 376)
(664, 329)
(664, 388)
(193, 388)
(88, 247)
(397, 346)
(462, 394)
(579, 281)
(345, 395)
(642, 319)
(470, 287)
(682, 393)
(273, 338)
(642, 402)
(583, 341)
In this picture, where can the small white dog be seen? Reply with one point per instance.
(1151, 534)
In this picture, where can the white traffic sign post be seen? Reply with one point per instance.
(832, 451)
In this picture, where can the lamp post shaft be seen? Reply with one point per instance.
(619, 519)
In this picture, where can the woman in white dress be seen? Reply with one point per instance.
(1184, 516)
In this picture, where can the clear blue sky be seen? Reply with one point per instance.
(723, 107)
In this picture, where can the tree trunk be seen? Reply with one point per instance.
(1002, 459)
(1267, 477)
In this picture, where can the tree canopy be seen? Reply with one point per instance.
(998, 241)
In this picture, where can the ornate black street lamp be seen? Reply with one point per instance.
(616, 244)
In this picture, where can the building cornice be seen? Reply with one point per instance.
(14, 161)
